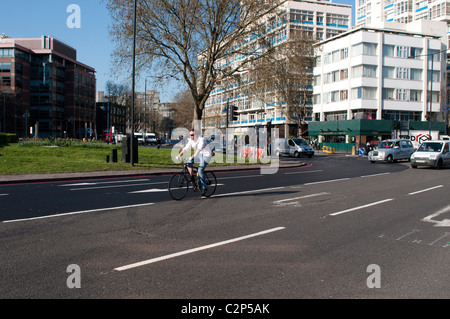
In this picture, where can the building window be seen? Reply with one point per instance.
(389, 72)
(6, 53)
(416, 74)
(403, 73)
(5, 67)
(388, 94)
(364, 48)
(416, 95)
(367, 93)
(364, 71)
(5, 81)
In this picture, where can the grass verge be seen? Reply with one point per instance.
(65, 156)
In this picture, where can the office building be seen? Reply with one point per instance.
(317, 20)
(373, 83)
(45, 90)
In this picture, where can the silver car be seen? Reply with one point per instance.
(392, 151)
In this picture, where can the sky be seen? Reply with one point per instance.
(32, 19)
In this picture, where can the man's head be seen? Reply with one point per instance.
(192, 135)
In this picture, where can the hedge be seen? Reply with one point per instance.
(6, 138)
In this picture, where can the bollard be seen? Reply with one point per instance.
(107, 158)
(114, 155)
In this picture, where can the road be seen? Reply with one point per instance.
(338, 227)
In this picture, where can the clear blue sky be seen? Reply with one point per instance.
(32, 18)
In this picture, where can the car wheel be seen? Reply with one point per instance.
(414, 166)
(439, 164)
(390, 159)
(296, 154)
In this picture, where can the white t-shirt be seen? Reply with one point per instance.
(201, 144)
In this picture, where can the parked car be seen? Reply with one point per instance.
(293, 147)
(392, 151)
(432, 153)
(150, 138)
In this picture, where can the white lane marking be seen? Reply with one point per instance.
(328, 181)
(115, 186)
(190, 251)
(152, 190)
(361, 207)
(426, 190)
(75, 213)
(303, 172)
(103, 182)
(301, 197)
(247, 176)
(364, 176)
(247, 192)
(439, 223)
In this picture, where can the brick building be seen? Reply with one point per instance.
(44, 87)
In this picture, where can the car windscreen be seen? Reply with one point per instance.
(430, 147)
(386, 144)
(300, 141)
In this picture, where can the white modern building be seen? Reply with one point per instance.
(381, 73)
(320, 20)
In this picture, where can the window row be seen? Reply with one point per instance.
(368, 70)
(370, 93)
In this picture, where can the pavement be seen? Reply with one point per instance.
(285, 162)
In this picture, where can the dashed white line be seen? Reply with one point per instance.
(426, 190)
(372, 175)
(304, 172)
(361, 207)
(190, 251)
(76, 213)
(301, 197)
(248, 192)
(328, 181)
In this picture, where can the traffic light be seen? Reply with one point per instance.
(233, 113)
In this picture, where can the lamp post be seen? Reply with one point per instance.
(133, 84)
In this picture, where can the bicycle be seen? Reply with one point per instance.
(179, 182)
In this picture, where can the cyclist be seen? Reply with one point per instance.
(202, 152)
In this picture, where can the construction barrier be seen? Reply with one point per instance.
(327, 149)
(253, 152)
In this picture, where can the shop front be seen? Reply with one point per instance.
(345, 134)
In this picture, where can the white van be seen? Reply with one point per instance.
(150, 138)
(140, 137)
(432, 153)
(293, 147)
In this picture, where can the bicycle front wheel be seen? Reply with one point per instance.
(211, 183)
(178, 186)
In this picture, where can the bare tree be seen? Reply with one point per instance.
(284, 77)
(197, 41)
(183, 108)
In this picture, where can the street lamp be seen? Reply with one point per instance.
(133, 84)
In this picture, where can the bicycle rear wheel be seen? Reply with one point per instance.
(178, 186)
(211, 183)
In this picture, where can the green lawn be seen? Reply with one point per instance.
(62, 156)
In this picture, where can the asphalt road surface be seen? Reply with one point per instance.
(338, 227)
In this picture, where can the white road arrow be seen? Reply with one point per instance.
(438, 223)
